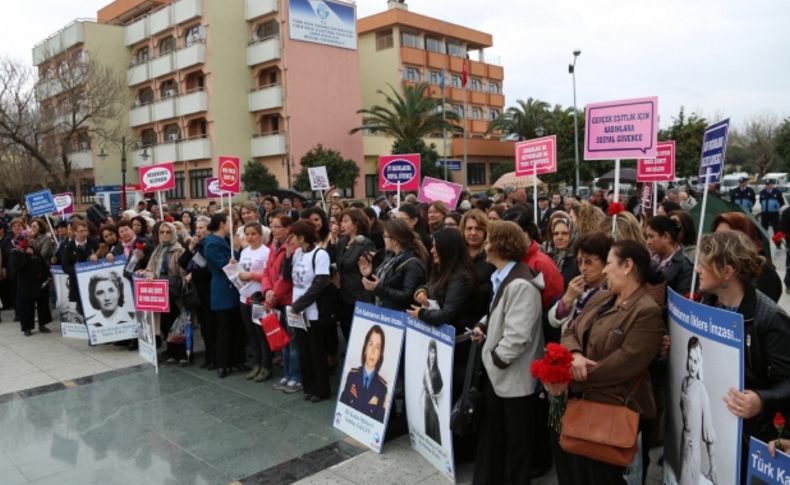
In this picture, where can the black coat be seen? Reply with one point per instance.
(459, 302)
(396, 290)
(347, 259)
(29, 271)
(72, 254)
(201, 277)
(769, 282)
(484, 270)
(678, 273)
(569, 269)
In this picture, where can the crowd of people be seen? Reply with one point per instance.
(487, 266)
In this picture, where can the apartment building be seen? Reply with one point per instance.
(401, 48)
(59, 59)
(229, 77)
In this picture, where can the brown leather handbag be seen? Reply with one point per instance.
(600, 431)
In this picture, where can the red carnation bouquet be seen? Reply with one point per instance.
(779, 424)
(615, 208)
(778, 238)
(554, 369)
(139, 246)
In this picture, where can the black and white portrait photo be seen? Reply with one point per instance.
(107, 301)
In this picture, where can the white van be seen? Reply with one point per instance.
(779, 178)
(730, 181)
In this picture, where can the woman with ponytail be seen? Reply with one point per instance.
(663, 241)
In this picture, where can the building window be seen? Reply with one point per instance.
(434, 45)
(411, 74)
(193, 35)
(493, 114)
(475, 173)
(148, 137)
(166, 45)
(459, 110)
(371, 185)
(384, 39)
(172, 133)
(455, 81)
(87, 188)
(409, 39)
(267, 29)
(168, 89)
(476, 84)
(178, 191)
(493, 87)
(456, 49)
(142, 55)
(145, 96)
(435, 77)
(197, 183)
(477, 113)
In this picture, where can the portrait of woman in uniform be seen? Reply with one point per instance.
(365, 390)
(106, 296)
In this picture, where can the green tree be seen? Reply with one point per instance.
(499, 170)
(759, 139)
(783, 143)
(522, 120)
(687, 133)
(343, 173)
(559, 122)
(257, 178)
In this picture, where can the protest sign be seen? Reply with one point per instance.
(152, 296)
(621, 129)
(703, 438)
(659, 169)
(764, 469)
(428, 384)
(64, 203)
(319, 179)
(40, 203)
(154, 178)
(212, 188)
(229, 172)
(72, 324)
(539, 153)
(107, 301)
(399, 172)
(146, 338)
(434, 189)
(714, 149)
(374, 349)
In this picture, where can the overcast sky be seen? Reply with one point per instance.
(715, 57)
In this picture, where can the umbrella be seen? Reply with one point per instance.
(717, 205)
(511, 180)
(626, 175)
(283, 193)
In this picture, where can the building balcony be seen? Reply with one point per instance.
(195, 149)
(67, 37)
(194, 102)
(167, 63)
(258, 8)
(268, 145)
(191, 55)
(174, 106)
(140, 115)
(138, 74)
(164, 109)
(262, 51)
(47, 89)
(166, 152)
(497, 100)
(161, 20)
(161, 65)
(266, 98)
(81, 160)
(478, 97)
(174, 151)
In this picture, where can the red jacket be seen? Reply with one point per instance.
(553, 284)
(273, 277)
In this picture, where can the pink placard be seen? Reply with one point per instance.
(212, 188)
(621, 129)
(152, 296)
(65, 203)
(230, 174)
(540, 151)
(434, 189)
(403, 170)
(157, 177)
(659, 169)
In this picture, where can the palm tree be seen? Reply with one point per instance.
(520, 121)
(408, 117)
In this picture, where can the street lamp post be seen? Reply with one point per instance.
(103, 156)
(572, 72)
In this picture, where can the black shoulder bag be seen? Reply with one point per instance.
(463, 417)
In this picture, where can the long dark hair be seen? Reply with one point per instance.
(323, 233)
(666, 225)
(629, 249)
(413, 212)
(401, 232)
(453, 258)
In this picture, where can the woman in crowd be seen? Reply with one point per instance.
(560, 245)
(411, 214)
(140, 227)
(43, 245)
(663, 241)
(252, 262)
(729, 266)
(108, 241)
(163, 264)
(437, 211)
(587, 217)
(249, 213)
(608, 369)
(688, 233)
(224, 298)
(591, 252)
(308, 269)
(512, 339)
(474, 227)
(353, 244)
(188, 220)
(334, 232)
(769, 281)
(30, 271)
(277, 293)
(495, 212)
(667, 207)
(402, 271)
(336, 208)
(452, 220)
(193, 262)
(266, 209)
(628, 227)
(375, 231)
(77, 250)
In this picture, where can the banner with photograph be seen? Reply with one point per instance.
(146, 337)
(368, 380)
(71, 322)
(765, 469)
(428, 384)
(703, 439)
(107, 301)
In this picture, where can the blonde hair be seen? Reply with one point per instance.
(628, 228)
(731, 248)
(589, 218)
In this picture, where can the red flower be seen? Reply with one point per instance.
(554, 367)
(695, 297)
(140, 246)
(778, 237)
(615, 208)
(779, 422)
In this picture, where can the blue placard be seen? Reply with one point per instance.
(40, 203)
(763, 468)
(452, 165)
(714, 148)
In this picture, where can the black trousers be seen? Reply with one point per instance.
(345, 315)
(42, 307)
(26, 311)
(261, 354)
(770, 219)
(562, 460)
(591, 472)
(230, 338)
(312, 360)
(208, 330)
(504, 447)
